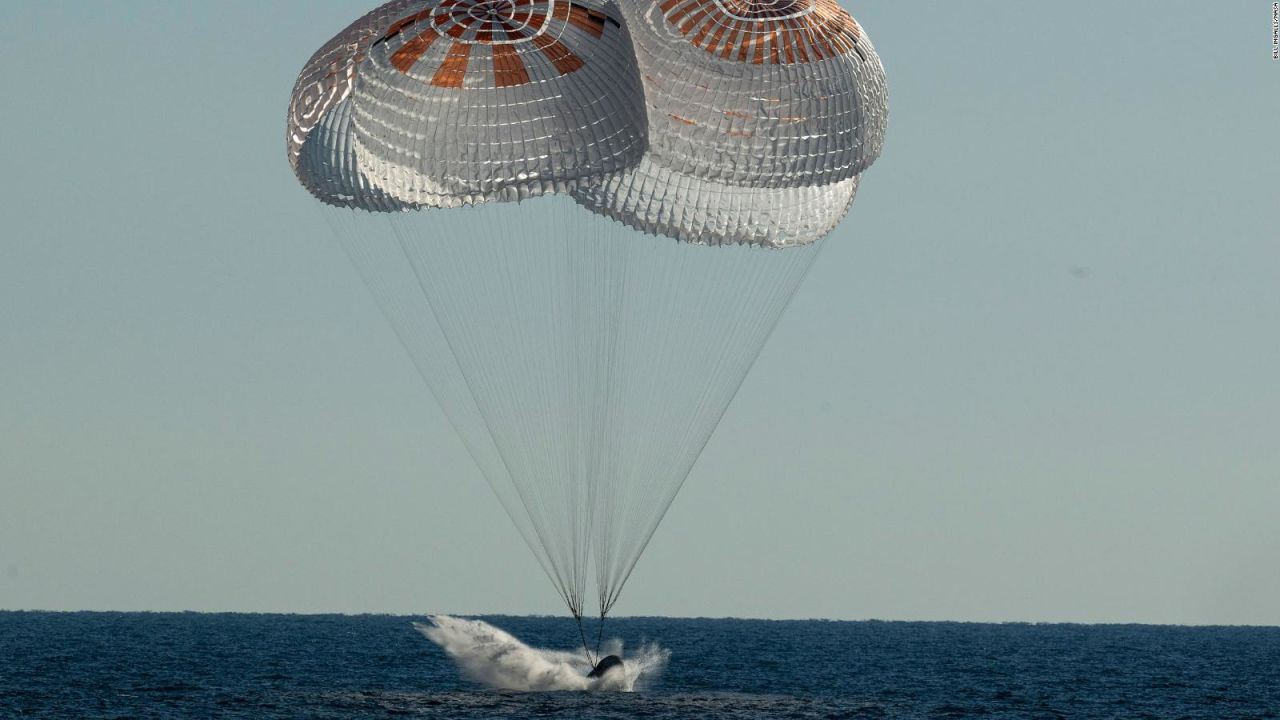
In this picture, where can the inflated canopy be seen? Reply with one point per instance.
(656, 199)
(440, 103)
(761, 113)
(763, 93)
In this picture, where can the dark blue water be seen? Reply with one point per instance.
(93, 665)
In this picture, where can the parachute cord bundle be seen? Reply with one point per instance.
(586, 648)
(584, 366)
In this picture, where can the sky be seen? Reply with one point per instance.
(1039, 358)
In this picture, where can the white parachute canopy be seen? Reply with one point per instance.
(585, 358)
(762, 114)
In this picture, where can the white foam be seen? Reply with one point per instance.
(496, 658)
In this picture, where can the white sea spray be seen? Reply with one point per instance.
(494, 657)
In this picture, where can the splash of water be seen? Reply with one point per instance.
(494, 657)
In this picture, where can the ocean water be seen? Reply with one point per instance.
(108, 665)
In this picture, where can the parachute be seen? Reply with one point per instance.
(583, 221)
(762, 113)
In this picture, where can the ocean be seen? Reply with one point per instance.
(139, 665)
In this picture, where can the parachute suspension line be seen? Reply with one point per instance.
(600, 634)
(586, 649)
(432, 255)
(716, 308)
(584, 365)
(603, 266)
(381, 265)
(526, 319)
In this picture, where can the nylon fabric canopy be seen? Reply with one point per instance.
(762, 115)
(764, 93)
(441, 103)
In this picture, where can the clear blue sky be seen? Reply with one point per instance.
(1041, 356)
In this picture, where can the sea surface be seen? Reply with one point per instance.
(107, 665)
